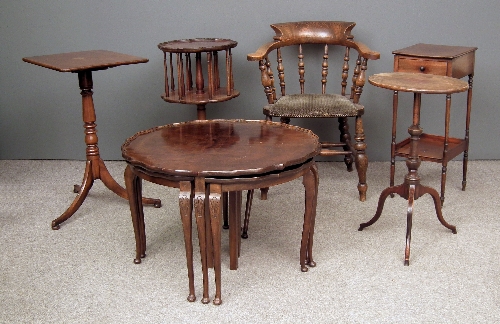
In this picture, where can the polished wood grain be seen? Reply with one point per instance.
(195, 148)
(418, 83)
(186, 75)
(411, 189)
(84, 63)
(84, 60)
(206, 159)
(452, 61)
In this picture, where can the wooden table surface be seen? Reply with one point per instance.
(84, 60)
(418, 82)
(220, 148)
(195, 45)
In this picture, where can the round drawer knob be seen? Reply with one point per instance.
(422, 68)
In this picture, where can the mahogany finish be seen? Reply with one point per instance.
(180, 76)
(452, 61)
(207, 158)
(84, 63)
(411, 189)
(319, 42)
(182, 85)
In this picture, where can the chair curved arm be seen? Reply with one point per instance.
(265, 49)
(262, 51)
(363, 50)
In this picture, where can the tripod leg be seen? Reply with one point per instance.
(381, 201)
(409, 220)
(87, 183)
(437, 205)
(112, 185)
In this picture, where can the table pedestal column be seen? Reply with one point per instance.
(95, 167)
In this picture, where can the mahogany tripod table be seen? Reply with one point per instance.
(84, 63)
(207, 158)
(411, 189)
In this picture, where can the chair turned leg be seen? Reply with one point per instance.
(361, 158)
(345, 137)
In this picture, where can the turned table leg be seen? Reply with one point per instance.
(467, 126)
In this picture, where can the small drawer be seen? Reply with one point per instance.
(405, 64)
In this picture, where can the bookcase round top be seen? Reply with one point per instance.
(196, 45)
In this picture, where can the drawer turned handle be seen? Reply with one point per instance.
(422, 68)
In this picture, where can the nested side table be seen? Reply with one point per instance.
(452, 61)
(411, 189)
(84, 63)
(179, 75)
(207, 158)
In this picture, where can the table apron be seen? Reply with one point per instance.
(160, 178)
(262, 181)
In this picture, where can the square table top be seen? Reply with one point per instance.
(84, 60)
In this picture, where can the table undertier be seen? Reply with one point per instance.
(431, 148)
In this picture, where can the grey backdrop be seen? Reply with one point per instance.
(40, 109)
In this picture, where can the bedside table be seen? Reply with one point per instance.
(451, 61)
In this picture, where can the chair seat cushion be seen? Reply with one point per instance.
(313, 105)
